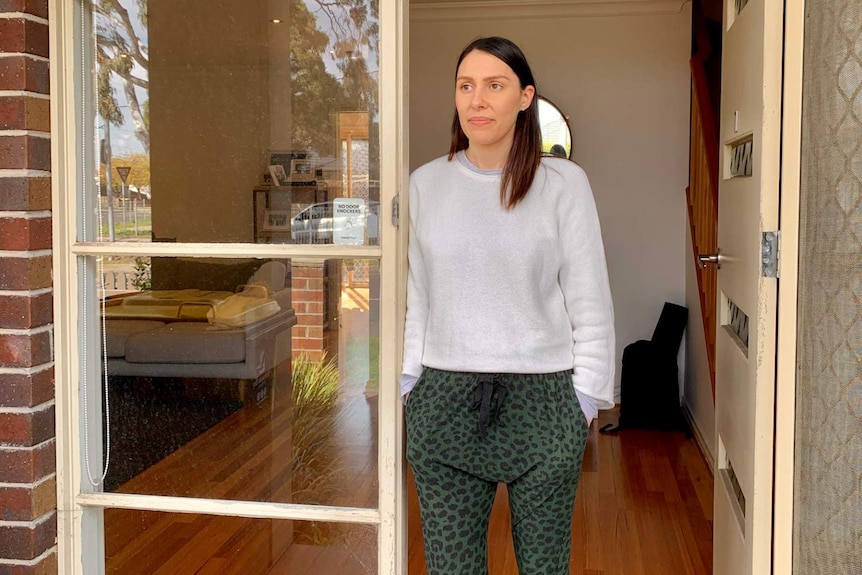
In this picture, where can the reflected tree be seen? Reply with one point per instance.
(358, 87)
(315, 91)
(355, 31)
(121, 51)
(351, 31)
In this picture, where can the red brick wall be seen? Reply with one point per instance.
(307, 297)
(28, 523)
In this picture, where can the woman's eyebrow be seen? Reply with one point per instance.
(486, 79)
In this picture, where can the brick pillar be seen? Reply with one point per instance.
(307, 295)
(28, 522)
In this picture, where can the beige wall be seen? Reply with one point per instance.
(624, 82)
(698, 387)
(209, 116)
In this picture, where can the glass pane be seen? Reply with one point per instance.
(233, 379)
(227, 122)
(146, 542)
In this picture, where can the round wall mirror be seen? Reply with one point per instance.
(556, 134)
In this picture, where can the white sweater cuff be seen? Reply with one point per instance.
(407, 383)
(589, 406)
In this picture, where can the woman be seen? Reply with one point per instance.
(509, 342)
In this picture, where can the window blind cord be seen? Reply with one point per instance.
(84, 289)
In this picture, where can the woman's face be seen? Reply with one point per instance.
(488, 97)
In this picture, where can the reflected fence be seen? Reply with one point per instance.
(113, 281)
(133, 221)
(357, 274)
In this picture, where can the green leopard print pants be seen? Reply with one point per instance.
(468, 432)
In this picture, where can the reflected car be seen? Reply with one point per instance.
(315, 224)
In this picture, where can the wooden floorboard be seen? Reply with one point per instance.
(644, 506)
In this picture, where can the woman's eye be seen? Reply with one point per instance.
(465, 87)
(496, 86)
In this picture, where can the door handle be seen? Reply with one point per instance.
(715, 259)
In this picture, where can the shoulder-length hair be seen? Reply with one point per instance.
(526, 152)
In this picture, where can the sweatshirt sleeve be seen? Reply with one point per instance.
(586, 289)
(417, 295)
(407, 383)
(588, 404)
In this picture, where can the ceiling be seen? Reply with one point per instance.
(711, 8)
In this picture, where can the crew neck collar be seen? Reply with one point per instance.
(462, 158)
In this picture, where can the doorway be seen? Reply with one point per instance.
(101, 230)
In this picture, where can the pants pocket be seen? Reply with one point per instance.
(414, 392)
(578, 424)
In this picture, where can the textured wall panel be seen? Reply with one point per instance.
(828, 477)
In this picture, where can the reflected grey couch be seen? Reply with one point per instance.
(176, 347)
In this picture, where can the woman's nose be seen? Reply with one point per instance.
(478, 100)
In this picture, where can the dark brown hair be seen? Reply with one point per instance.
(526, 152)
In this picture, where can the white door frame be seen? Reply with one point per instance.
(785, 386)
(78, 508)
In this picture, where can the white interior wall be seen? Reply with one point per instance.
(624, 82)
(698, 386)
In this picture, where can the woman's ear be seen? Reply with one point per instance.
(527, 95)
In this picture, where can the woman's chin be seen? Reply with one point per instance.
(481, 140)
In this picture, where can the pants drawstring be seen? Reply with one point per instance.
(484, 397)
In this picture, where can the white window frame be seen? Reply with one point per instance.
(79, 512)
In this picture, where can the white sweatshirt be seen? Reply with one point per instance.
(518, 291)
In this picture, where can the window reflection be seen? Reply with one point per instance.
(194, 104)
(146, 542)
(244, 379)
(241, 379)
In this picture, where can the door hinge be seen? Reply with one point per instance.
(769, 254)
(395, 211)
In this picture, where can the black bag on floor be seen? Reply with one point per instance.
(649, 386)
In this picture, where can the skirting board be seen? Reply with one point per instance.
(698, 437)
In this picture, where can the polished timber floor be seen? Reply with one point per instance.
(644, 506)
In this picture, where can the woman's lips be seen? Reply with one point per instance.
(480, 121)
